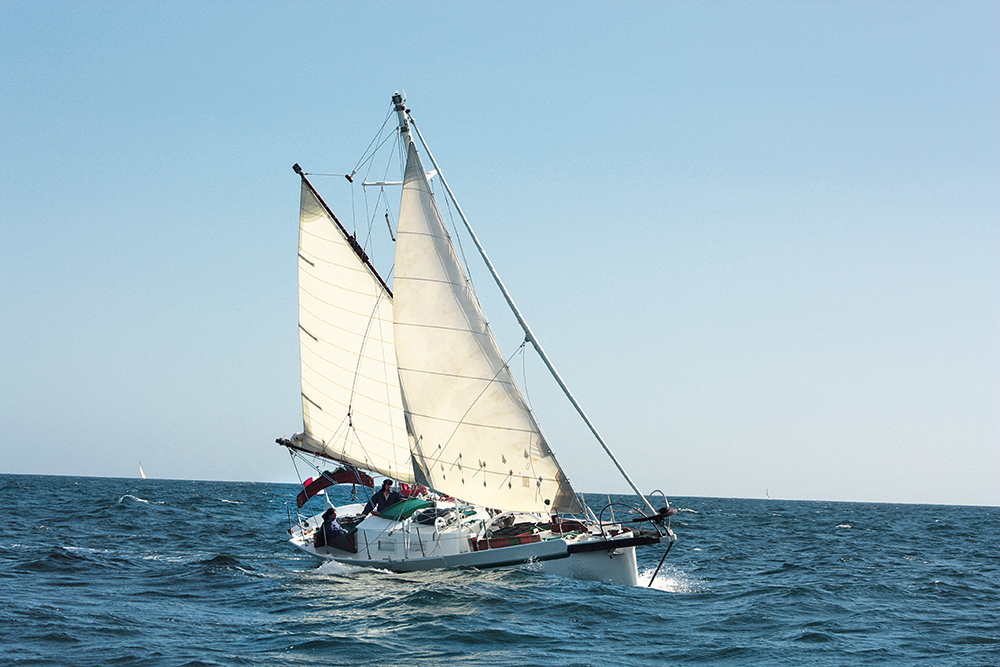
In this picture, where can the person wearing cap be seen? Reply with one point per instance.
(382, 499)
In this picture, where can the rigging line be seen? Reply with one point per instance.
(486, 386)
(365, 459)
(386, 378)
(371, 162)
(461, 250)
(292, 454)
(364, 189)
(354, 210)
(300, 455)
(374, 139)
(385, 174)
(524, 374)
(365, 196)
(371, 165)
(372, 319)
(338, 434)
(364, 344)
(372, 213)
(368, 461)
(457, 237)
(531, 411)
(382, 197)
(369, 244)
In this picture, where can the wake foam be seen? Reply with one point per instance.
(669, 580)
(333, 567)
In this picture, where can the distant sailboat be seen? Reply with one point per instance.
(142, 473)
(767, 494)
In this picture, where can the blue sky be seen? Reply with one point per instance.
(761, 241)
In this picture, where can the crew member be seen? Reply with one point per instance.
(330, 530)
(382, 499)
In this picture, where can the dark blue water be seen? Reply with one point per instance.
(97, 571)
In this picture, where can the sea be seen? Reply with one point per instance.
(114, 571)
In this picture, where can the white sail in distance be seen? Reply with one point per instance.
(473, 434)
(351, 404)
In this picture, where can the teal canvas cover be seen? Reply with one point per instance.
(403, 510)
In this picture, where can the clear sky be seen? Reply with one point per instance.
(760, 241)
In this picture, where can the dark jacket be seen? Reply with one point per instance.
(380, 502)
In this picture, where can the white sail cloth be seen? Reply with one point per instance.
(351, 403)
(473, 435)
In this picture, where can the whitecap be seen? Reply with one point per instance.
(140, 500)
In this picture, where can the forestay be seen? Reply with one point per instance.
(473, 434)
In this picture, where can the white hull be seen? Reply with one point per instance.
(520, 555)
(615, 566)
(409, 546)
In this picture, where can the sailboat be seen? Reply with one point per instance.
(408, 381)
(142, 473)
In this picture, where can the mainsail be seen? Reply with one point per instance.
(474, 437)
(351, 404)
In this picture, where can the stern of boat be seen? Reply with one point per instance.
(611, 560)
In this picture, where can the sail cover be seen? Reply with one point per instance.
(473, 435)
(351, 404)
